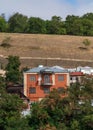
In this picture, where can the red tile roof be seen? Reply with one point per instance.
(76, 74)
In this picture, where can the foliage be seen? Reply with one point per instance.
(86, 42)
(73, 112)
(20, 124)
(10, 108)
(2, 82)
(36, 25)
(73, 25)
(12, 69)
(6, 42)
(55, 26)
(3, 25)
(17, 23)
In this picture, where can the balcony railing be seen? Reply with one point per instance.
(47, 83)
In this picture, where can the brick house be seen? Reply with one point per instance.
(39, 81)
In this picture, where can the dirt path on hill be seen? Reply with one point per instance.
(49, 58)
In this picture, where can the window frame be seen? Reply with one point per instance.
(46, 79)
(32, 78)
(46, 90)
(32, 90)
(60, 78)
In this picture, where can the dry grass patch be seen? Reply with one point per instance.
(37, 45)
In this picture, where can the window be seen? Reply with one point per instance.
(71, 78)
(46, 90)
(46, 79)
(60, 77)
(32, 78)
(32, 90)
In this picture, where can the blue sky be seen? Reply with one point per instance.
(45, 9)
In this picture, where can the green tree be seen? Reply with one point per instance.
(80, 96)
(77, 27)
(49, 111)
(71, 23)
(55, 26)
(17, 23)
(87, 27)
(10, 112)
(10, 108)
(39, 116)
(12, 69)
(88, 16)
(73, 112)
(36, 25)
(3, 24)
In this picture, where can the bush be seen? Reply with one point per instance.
(6, 42)
(86, 42)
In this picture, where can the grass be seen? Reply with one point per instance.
(54, 46)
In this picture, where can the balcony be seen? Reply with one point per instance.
(47, 83)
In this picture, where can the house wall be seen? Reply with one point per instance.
(74, 79)
(40, 88)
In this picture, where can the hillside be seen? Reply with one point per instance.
(35, 49)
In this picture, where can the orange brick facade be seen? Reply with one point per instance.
(38, 85)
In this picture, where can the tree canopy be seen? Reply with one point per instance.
(17, 23)
(72, 25)
(73, 112)
(12, 69)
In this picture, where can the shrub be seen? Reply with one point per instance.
(6, 42)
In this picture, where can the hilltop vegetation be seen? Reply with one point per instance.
(70, 42)
(73, 25)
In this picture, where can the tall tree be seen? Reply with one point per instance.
(3, 24)
(71, 24)
(17, 23)
(55, 26)
(87, 27)
(88, 16)
(12, 69)
(36, 25)
(10, 110)
(11, 107)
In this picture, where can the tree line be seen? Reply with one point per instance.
(72, 25)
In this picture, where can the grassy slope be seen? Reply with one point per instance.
(63, 46)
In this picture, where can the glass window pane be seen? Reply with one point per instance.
(32, 78)
(46, 90)
(46, 79)
(60, 77)
(32, 90)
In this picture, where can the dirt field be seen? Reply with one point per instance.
(48, 46)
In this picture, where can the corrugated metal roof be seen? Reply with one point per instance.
(35, 70)
(47, 69)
